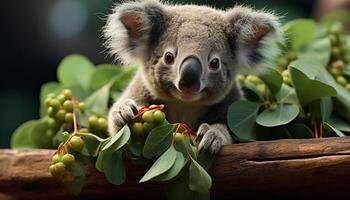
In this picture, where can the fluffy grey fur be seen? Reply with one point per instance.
(143, 32)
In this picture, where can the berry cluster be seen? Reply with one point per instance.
(61, 167)
(60, 112)
(284, 60)
(339, 54)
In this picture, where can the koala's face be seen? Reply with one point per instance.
(188, 53)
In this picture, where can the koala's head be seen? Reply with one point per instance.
(189, 53)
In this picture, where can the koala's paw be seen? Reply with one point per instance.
(120, 114)
(213, 137)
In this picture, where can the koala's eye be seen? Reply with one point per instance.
(169, 58)
(214, 64)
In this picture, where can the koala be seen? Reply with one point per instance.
(188, 57)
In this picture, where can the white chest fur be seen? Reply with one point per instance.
(184, 113)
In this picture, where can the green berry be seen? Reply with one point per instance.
(93, 121)
(68, 160)
(55, 104)
(273, 107)
(348, 87)
(67, 94)
(61, 98)
(52, 123)
(76, 143)
(283, 62)
(82, 106)
(148, 117)
(178, 137)
(57, 169)
(339, 64)
(68, 118)
(102, 124)
(147, 127)
(51, 112)
(253, 79)
(50, 133)
(48, 101)
(341, 80)
(158, 116)
(240, 78)
(261, 88)
(68, 105)
(56, 158)
(335, 72)
(137, 128)
(68, 126)
(285, 73)
(60, 115)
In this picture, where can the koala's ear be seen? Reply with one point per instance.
(132, 27)
(253, 35)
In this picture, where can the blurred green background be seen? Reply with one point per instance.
(36, 35)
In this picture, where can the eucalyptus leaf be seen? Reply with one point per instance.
(75, 70)
(113, 167)
(287, 95)
(158, 140)
(241, 118)
(92, 144)
(300, 32)
(330, 131)
(21, 138)
(103, 74)
(199, 180)
(97, 102)
(206, 159)
(39, 136)
(113, 143)
(99, 161)
(339, 123)
(272, 78)
(77, 185)
(124, 78)
(179, 163)
(307, 89)
(284, 114)
(163, 164)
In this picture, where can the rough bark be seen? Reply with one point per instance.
(275, 169)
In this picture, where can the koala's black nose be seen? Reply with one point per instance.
(191, 70)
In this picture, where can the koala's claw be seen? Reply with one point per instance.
(213, 137)
(120, 114)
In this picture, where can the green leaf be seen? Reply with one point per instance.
(346, 69)
(123, 136)
(287, 95)
(271, 77)
(309, 90)
(77, 185)
(241, 118)
(21, 138)
(38, 134)
(339, 123)
(158, 140)
(284, 114)
(103, 74)
(326, 108)
(47, 88)
(200, 180)
(300, 32)
(320, 49)
(163, 164)
(99, 161)
(75, 70)
(92, 143)
(174, 170)
(97, 102)
(330, 131)
(300, 131)
(124, 78)
(113, 167)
